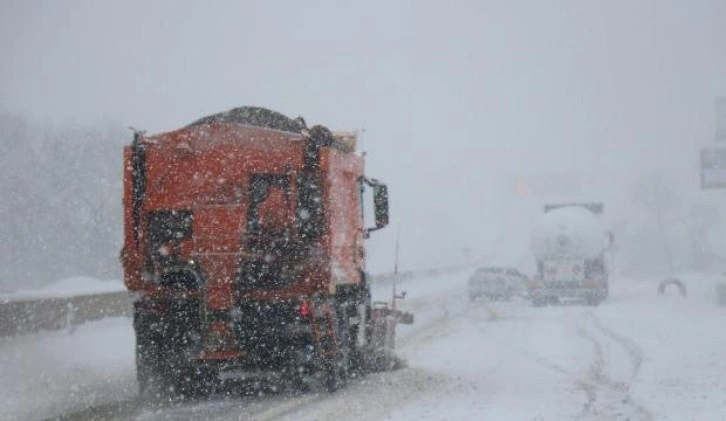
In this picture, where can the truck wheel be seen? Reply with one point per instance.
(362, 311)
(146, 377)
(337, 368)
(333, 379)
(157, 375)
(149, 373)
(160, 373)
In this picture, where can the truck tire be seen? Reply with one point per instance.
(146, 372)
(161, 370)
(150, 373)
(337, 368)
(333, 378)
(162, 376)
(362, 311)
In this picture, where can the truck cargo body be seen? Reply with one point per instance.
(245, 247)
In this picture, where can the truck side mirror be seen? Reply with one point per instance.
(380, 202)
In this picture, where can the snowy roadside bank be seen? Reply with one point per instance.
(64, 288)
(682, 342)
(47, 373)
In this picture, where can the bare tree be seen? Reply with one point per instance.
(61, 189)
(699, 220)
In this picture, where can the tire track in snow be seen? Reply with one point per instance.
(607, 398)
(495, 313)
(449, 310)
(108, 411)
(251, 407)
(609, 395)
(585, 386)
(633, 350)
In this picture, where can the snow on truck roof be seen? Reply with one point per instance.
(273, 120)
(255, 116)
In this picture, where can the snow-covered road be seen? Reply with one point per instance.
(638, 356)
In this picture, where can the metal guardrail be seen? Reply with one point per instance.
(54, 313)
(411, 274)
(30, 315)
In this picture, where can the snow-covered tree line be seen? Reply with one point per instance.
(60, 201)
(673, 229)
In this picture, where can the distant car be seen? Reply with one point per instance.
(496, 283)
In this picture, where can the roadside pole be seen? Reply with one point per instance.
(713, 169)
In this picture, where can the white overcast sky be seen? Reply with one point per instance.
(456, 97)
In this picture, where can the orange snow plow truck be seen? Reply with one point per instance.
(243, 241)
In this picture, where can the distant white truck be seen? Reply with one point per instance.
(570, 246)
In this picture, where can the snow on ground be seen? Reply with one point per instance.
(47, 373)
(639, 356)
(69, 287)
(682, 342)
(624, 360)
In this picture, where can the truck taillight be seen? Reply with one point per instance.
(305, 309)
